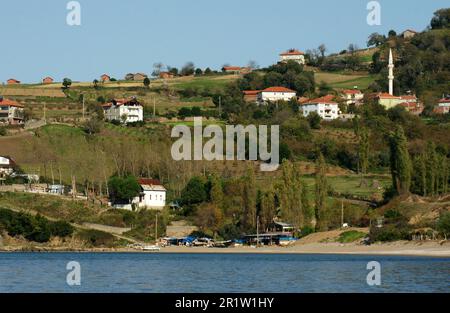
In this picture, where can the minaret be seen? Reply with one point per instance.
(391, 73)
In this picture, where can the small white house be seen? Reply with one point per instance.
(293, 55)
(124, 110)
(352, 96)
(11, 112)
(274, 94)
(152, 196)
(324, 107)
(6, 166)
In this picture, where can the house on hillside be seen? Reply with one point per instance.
(166, 75)
(443, 106)
(7, 167)
(11, 112)
(236, 69)
(409, 33)
(274, 94)
(47, 80)
(389, 101)
(124, 110)
(13, 81)
(139, 76)
(413, 107)
(352, 96)
(293, 55)
(105, 78)
(325, 107)
(152, 195)
(251, 95)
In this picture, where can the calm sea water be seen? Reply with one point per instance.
(137, 272)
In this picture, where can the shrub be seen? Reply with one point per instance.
(392, 232)
(443, 224)
(96, 238)
(2, 131)
(350, 236)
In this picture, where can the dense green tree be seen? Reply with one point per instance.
(401, 168)
(194, 192)
(123, 188)
(249, 200)
(321, 191)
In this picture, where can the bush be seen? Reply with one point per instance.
(33, 228)
(443, 224)
(96, 238)
(2, 131)
(391, 232)
(350, 236)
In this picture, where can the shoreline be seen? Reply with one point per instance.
(424, 249)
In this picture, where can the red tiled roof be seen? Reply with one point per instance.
(328, 99)
(12, 80)
(352, 91)
(278, 89)
(408, 97)
(251, 92)
(148, 181)
(120, 102)
(292, 52)
(232, 68)
(385, 95)
(444, 100)
(302, 100)
(11, 103)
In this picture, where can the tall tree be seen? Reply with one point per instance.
(321, 191)
(249, 200)
(363, 150)
(431, 169)
(401, 168)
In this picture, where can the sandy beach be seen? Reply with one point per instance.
(401, 248)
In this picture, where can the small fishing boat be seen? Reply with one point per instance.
(151, 248)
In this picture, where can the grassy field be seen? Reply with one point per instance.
(344, 81)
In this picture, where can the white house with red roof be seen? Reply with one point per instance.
(352, 96)
(152, 195)
(410, 102)
(443, 106)
(325, 107)
(293, 55)
(11, 112)
(124, 110)
(275, 94)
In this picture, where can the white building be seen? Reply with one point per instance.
(352, 96)
(293, 55)
(152, 196)
(124, 110)
(274, 94)
(324, 107)
(7, 166)
(11, 112)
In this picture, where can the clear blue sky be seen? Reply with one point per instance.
(117, 37)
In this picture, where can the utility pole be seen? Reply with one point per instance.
(154, 107)
(257, 231)
(156, 229)
(45, 114)
(220, 106)
(342, 213)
